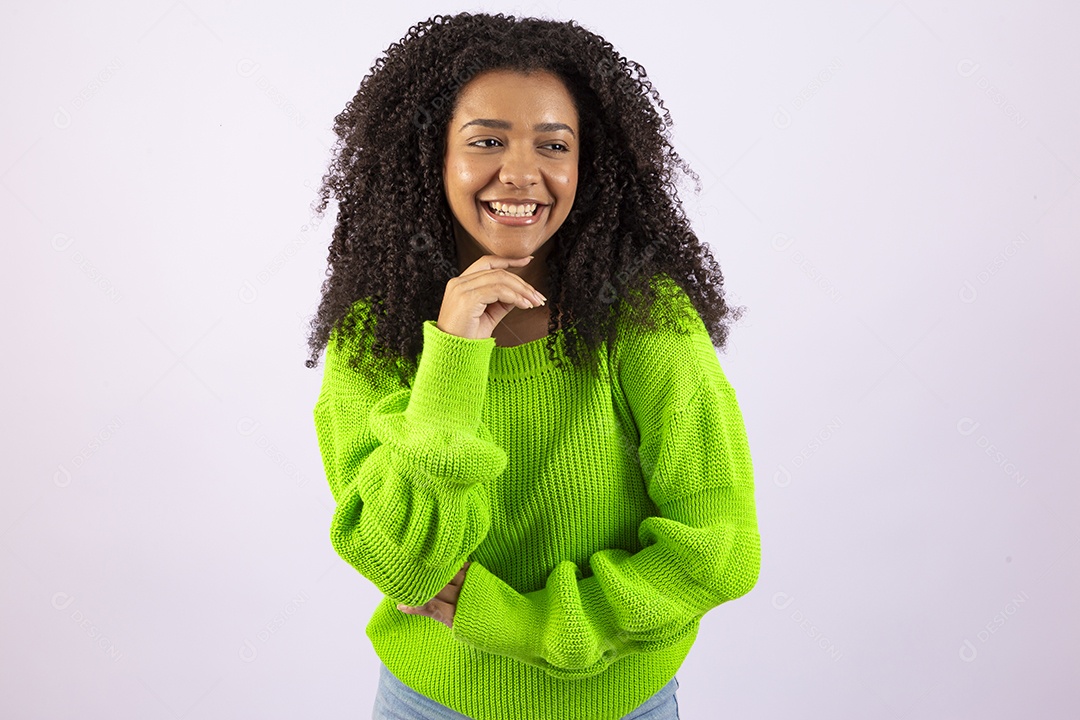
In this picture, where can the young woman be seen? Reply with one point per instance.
(535, 454)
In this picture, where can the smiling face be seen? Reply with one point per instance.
(512, 138)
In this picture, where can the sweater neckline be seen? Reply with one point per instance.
(530, 358)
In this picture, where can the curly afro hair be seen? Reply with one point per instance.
(393, 245)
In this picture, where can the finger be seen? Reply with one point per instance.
(509, 281)
(498, 261)
(507, 289)
(453, 588)
(491, 262)
(446, 594)
(460, 576)
(449, 594)
(436, 610)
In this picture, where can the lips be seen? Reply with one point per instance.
(514, 201)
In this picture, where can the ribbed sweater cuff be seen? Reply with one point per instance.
(493, 617)
(566, 627)
(451, 380)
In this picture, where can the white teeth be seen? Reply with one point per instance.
(512, 210)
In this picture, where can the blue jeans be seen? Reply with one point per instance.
(395, 700)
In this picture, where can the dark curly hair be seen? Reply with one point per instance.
(393, 245)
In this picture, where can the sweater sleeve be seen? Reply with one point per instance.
(702, 550)
(407, 466)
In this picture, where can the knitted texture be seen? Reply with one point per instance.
(603, 519)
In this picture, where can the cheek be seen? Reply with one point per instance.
(568, 183)
(465, 171)
(464, 180)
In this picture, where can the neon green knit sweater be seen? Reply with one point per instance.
(603, 519)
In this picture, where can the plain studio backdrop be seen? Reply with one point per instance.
(891, 188)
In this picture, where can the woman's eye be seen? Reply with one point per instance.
(558, 146)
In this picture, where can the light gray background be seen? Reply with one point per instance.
(890, 187)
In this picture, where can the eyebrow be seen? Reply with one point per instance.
(504, 125)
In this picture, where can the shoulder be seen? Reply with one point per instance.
(668, 363)
(348, 337)
(348, 341)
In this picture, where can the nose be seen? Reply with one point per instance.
(519, 167)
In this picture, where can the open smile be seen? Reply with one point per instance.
(515, 220)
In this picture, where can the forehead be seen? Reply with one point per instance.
(506, 94)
